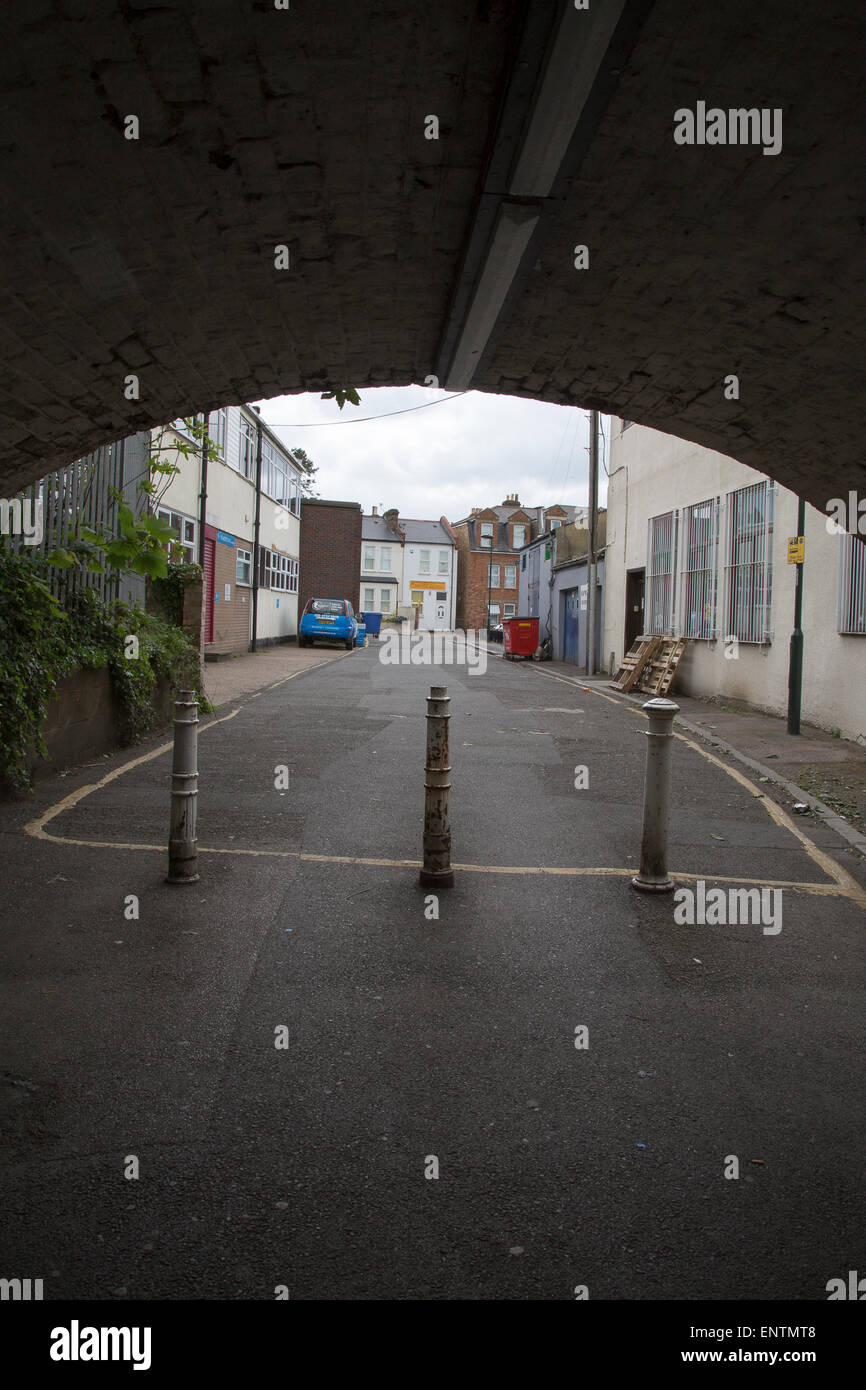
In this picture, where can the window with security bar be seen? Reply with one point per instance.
(661, 574)
(749, 563)
(852, 586)
(699, 583)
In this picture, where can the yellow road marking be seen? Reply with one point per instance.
(565, 871)
(36, 827)
(842, 885)
(847, 884)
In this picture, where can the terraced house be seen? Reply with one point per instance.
(489, 542)
(409, 564)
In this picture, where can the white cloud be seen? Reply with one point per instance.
(469, 451)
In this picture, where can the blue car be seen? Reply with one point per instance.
(328, 620)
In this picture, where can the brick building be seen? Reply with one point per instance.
(330, 550)
(489, 542)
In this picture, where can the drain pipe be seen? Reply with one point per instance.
(256, 532)
(203, 494)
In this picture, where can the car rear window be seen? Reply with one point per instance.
(328, 605)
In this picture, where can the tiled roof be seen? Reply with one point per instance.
(425, 532)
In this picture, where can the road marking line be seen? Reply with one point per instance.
(36, 827)
(816, 889)
(848, 885)
(843, 884)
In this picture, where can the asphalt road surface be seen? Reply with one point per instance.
(419, 1046)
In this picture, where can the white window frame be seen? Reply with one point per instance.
(444, 561)
(749, 564)
(509, 610)
(512, 582)
(699, 571)
(851, 612)
(247, 450)
(245, 558)
(423, 561)
(486, 533)
(267, 464)
(369, 598)
(384, 600)
(494, 576)
(185, 542)
(385, 559)
(278, 571)
(217, 434)
(179, 427)
(521, 527)
(661, 574)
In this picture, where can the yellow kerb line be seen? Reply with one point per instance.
(819, 889)
(847, 885)
(842, 885)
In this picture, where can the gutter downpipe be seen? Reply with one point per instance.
(203, 492)
(253, 646)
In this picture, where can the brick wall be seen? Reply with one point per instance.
(476, 570)
(461, 534)
(330, 551)
(231, 617)
(192, 614)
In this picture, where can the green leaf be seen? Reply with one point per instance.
(62, 559)
(152, 563)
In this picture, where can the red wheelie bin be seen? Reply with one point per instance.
(520, 637)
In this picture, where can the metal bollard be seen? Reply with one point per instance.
(653, 875)
(182, 842)
(436, 871)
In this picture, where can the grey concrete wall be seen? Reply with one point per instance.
(83, 721)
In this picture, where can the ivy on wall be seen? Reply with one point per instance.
(169, 589)
(42, 640)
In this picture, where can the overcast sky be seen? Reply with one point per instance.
(463, 452)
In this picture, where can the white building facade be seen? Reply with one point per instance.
(381, 564)
(251, 541)
(409, 565)
(697, 546)
(430, 574)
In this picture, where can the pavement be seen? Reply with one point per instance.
(243, 673)
(435, 1127)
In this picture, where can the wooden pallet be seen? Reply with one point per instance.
(634, 662)
(658, 673)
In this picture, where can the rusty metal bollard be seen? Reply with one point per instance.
(436, 871)
(182, 842)
(653, 875)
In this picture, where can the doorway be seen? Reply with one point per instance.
(209, 575)
(634, 596)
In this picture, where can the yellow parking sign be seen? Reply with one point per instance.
(796, 550)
